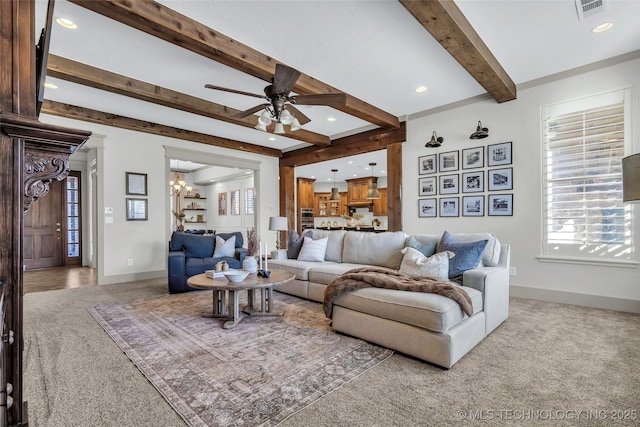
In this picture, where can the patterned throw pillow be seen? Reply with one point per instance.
(224, 248)
(416, 265)
(467, 255)
(313, 250)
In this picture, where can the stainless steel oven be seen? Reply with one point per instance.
(306, 218)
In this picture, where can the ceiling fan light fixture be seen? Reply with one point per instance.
(295, 125)
(480, 132)
(435, 141)
(261, 126)
(286, 117)
(279, 128)
(265, 118)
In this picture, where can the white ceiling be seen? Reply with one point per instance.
(373, 50)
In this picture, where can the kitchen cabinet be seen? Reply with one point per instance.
(357, 190)
(305, 197)
(321, 207)
(344, 210)
(380, 205)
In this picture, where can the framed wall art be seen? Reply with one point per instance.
(473, 206)
(473, 182)
(137, 210)
(427, 208)
(499, 154)
(449, 206)
(427, 164)
(222, 203)
(136, 184)
(500, 204)
(500, 179)
(427, 186)
(473, 158)
(449, 184)
(448, 161)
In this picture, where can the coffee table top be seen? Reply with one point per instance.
(253, 281)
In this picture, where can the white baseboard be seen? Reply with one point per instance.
(123, 278)
(595, 301)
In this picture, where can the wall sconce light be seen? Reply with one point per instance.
(435, 141)
(480, 132)
(631, 179)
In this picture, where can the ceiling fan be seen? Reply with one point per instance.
(280, 106)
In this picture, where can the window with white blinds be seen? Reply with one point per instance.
(584, 216)
(249, 195)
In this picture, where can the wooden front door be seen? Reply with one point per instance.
(43, 230)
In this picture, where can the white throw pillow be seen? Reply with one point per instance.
(313, 250)
(225, 249)
(416, 265)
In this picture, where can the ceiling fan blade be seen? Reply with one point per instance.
(329, 99)
(239, 92)
(284, 79)
(298, 114)
(250, 111)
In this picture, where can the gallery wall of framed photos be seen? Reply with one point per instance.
(466, 182)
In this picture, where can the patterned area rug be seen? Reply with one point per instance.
(257, 374)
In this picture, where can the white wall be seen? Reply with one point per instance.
(519, 121)
(146, 242)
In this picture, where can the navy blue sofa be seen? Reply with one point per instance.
(191, 254)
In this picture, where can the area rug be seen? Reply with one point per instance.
(256, 374)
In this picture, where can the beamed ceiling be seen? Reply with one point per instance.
(142, 65)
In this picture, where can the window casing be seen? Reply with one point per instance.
(583, 213)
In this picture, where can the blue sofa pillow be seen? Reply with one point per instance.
(427, 249)
(467, 255)
(193, 245)
(295, 243)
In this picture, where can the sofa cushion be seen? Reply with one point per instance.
(416, 265)
(427, 248)
(313, 250)
(239, 238)
(334, 245)
(381, 249)
(300, 269)
(294, 244)
(326, 272)
(424, 310)
(224, 248)
(467, 255)
(193, 245)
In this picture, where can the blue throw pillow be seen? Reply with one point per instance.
(295, 243)
(467, 255)
(427, 249)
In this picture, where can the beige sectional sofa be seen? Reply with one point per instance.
(428, 326)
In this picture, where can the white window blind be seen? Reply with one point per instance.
(584, 215)
(248, 201)
(235, 202)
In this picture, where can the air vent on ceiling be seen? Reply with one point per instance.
(586, 8)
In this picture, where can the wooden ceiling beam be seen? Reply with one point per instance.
(447, 24)
(76, 72)
(162, 22)
(361, 143)
(108, 119)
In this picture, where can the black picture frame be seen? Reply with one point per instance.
(427, 164)
(137, 209)
(449, 184)
(500, 179)
(499, 154)
(500, 205)
(473, 206)
(449, 207)
(427, 208)
(473, 158)
(136, 184)
(427, 186)
(473, 182)
(449, 161)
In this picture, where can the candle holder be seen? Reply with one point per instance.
(264, 273)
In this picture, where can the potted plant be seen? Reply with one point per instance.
(180, 217)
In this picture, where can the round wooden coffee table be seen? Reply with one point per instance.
(228, 307)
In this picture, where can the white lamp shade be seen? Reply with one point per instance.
(265, 118)
(278, 223)
(261, 126)
(279, 128)
(295, 125)
(286, 118)
(631, 178)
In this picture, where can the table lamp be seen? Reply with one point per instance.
(278, 224)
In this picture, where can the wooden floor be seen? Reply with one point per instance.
(58, 278)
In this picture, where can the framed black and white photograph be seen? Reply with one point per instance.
(136, 184)
(449, 184)
(500, 179)
(137, 209)
(427, 186)
(473, 182)
(448, 161)
(449, 206)
(500, 204)
(473, 206)
(499, 154)
(427, 208)
(473, 158)
(427, 164)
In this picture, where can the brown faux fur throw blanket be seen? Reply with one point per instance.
(380, 277)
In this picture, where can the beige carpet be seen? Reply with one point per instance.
(258, 373)
(547, 361)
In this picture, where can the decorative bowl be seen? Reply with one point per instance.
(236, 275)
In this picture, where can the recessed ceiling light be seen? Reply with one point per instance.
(421, 89)
(350, 162)
(331, 119)
(272, 138)
(355, 174)
(66, 23)
(382, 172)
(605, 26)
(50, 86)
(313, 176)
